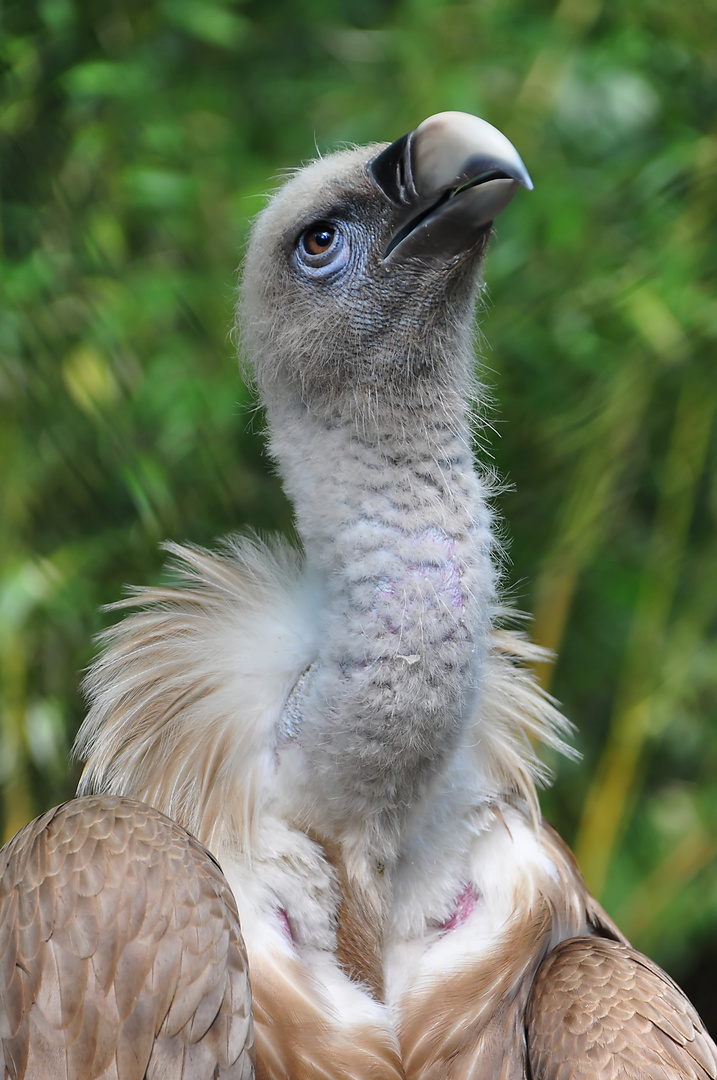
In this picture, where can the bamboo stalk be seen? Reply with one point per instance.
(614, 782)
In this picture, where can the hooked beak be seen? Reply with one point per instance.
(452, 176)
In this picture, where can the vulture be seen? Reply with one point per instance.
(347, 728)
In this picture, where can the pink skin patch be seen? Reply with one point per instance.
(441, 569)
(285, 925)
(465, 906)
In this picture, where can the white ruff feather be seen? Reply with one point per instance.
(188, 694)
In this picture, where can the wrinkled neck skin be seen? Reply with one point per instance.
(396, 529)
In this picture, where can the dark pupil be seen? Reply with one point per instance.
(317, 241)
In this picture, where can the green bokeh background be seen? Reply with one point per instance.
(137, 140)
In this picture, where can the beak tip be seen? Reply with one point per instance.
(460, 144)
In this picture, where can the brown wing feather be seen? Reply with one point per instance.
(120, 951)
(599, 1009)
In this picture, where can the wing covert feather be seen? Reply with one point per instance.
(599, 1009)
(121, 956)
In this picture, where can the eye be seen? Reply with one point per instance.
(317, 241)
(322, 249)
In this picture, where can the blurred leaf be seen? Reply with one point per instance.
(210, 22)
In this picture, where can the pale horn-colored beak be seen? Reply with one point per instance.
(452, 175)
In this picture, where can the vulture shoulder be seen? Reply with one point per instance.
(599, 1010)
(121, 956)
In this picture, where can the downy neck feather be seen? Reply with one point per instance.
(396, 527)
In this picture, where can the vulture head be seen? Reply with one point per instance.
(363, 268)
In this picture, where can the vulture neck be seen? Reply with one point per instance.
(396, 529)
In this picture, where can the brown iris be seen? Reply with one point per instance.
(318, 240)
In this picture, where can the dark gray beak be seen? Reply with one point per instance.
(452, 176)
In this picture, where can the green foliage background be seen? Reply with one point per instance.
(138, 138)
